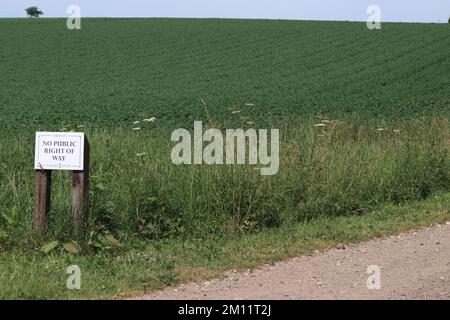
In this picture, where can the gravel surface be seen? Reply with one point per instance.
(413, 265)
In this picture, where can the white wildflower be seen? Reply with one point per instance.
(152, 119)
(137, 129)
(320, 125)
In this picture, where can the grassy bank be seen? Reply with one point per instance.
(339, 168)
(31, 275)
(152, 223)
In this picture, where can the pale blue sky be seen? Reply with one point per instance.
(354, 10)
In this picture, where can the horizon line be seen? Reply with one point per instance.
(218, 18)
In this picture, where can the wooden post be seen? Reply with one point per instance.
(80, 194)
(43, 185)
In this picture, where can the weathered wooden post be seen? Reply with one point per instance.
(61, 151)
(80, 193)
(43, 185)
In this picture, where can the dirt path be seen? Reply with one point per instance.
(414, 265)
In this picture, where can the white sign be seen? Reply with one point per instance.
(59, 151)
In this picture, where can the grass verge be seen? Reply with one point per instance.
(33, 275)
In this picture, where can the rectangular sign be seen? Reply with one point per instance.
(59, 151)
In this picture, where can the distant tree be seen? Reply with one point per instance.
(33, 12)
(448, 20)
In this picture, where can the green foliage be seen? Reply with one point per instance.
(33, 12)
(34, 275)
(46, 248)
(116, 69)
(101, 240)
(68, 246)
(72, 247)
(344, 167)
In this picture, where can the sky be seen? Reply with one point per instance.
(352, 10)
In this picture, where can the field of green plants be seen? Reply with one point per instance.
(114, 71)
(364, 136)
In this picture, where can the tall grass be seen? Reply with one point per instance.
(345, 167)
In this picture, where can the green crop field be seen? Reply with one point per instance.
(115, 70)
(364, 144)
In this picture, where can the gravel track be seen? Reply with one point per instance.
(413, 265)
